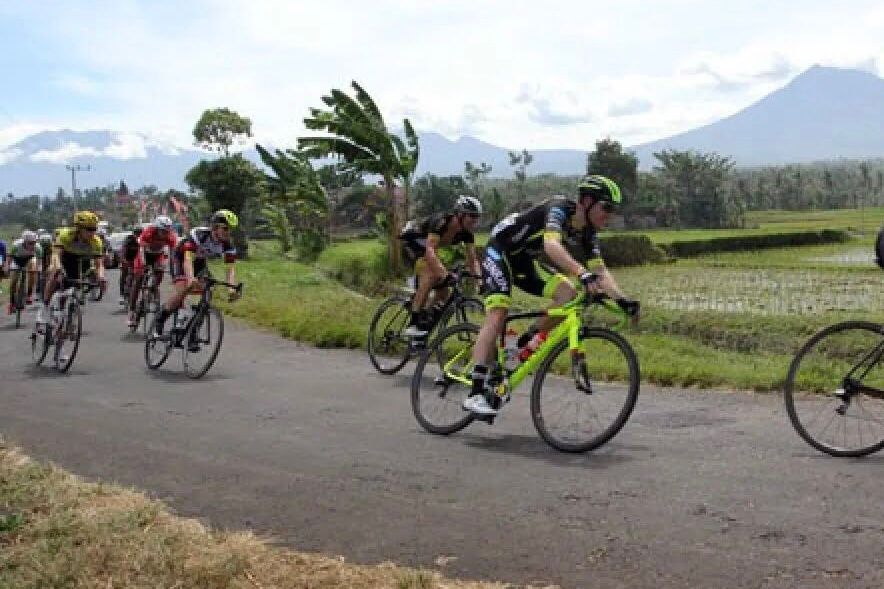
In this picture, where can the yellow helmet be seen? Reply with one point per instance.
(86, 219)
(226, 217)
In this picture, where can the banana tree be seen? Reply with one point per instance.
(358, 135)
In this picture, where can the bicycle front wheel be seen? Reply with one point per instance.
(202, 342)
(67, 337)
(157, 349)
(40, 344)
(592, 400)
(466, 310)
(20, 299)
(388, 348)
(834, 391)
(443, 380)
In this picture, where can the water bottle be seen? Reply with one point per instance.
(532, 345)
(511, 349)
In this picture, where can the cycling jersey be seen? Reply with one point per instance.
(515, 254)
(415, 234)
(19, 252)
(153, 242)
(2, 252)
(75, 253)
(201, 245)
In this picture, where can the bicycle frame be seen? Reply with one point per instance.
(569, 328)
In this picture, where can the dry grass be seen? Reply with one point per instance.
(59, 531)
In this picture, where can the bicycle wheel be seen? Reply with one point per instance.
(834, 391)
(442, 380)
(466, 310)
(156, 350)
(202, 342)
(20, 298)
(388, 349)
(67, 337)
(40, 344)
(586, 409)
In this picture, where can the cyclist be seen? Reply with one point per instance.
(538, 251)
(151, 252)
(23, 259)
(45, 240)
(189, 261)
(4, 262)
(74, 249)
(128, 251)
(421, 242)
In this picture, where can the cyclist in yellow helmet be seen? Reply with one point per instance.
(74, 249)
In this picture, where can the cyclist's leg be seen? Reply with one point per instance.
(183, 272)
(552, 285)
(32, 278)
(14, 274)
(497, 281)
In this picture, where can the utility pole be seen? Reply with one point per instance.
(74, 170)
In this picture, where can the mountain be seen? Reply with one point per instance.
(823, 113)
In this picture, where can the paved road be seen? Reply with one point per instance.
(701, 489)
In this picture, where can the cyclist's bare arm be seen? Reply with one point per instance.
(552, 246)
(473, 260)
(433, 261)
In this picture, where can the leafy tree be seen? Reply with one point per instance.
(436, 194)
(475, 176)
(520, 163)
(219, 128)
(359, 136)
(610, 160)
(699, 183)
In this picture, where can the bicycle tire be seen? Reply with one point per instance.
(164, 347)
(792, 396)
(460, 311)
(40, 344)
(71, 329)
(622, 415)
(400, 305)
(20, 298)
(467, 332)
(212, 321)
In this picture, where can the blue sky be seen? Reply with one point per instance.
(514, 73)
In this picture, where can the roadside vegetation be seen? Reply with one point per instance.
(57, 530)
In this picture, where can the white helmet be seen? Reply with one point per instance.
(28, 236)
(162, 222)
(468, 204)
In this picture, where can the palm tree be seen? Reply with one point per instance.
(359, 136)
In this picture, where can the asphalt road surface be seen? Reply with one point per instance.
(314, 449)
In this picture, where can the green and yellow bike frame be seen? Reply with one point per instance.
(572, 328)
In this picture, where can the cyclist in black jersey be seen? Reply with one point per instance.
(421, 241)
(546, 251)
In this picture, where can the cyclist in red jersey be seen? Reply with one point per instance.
(151, 253)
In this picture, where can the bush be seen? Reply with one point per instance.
(713, 245)
(630, 250)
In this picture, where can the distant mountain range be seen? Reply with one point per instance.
(824, 113)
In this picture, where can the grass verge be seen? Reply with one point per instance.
(57, 530)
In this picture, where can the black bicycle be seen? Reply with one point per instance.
(148, 300)
(390, 349)
(19, 296)
(834, 390)
(198, 335)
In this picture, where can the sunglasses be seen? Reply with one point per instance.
(220, 226)
(473, 215)
(89, 228)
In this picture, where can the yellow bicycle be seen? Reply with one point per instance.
(577, 412)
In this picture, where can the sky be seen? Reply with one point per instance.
(513, 73)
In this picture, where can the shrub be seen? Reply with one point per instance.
(712, 245)
(630, 250)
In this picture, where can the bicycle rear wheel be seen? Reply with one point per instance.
(202, 342)
(67, 337)
(388, 348)
(20, 298)
(442, 381)
(584, 410)
(830, 389)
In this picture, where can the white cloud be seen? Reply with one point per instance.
(64, 154)
(9, 155)
(127, 146)
(633, 106)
